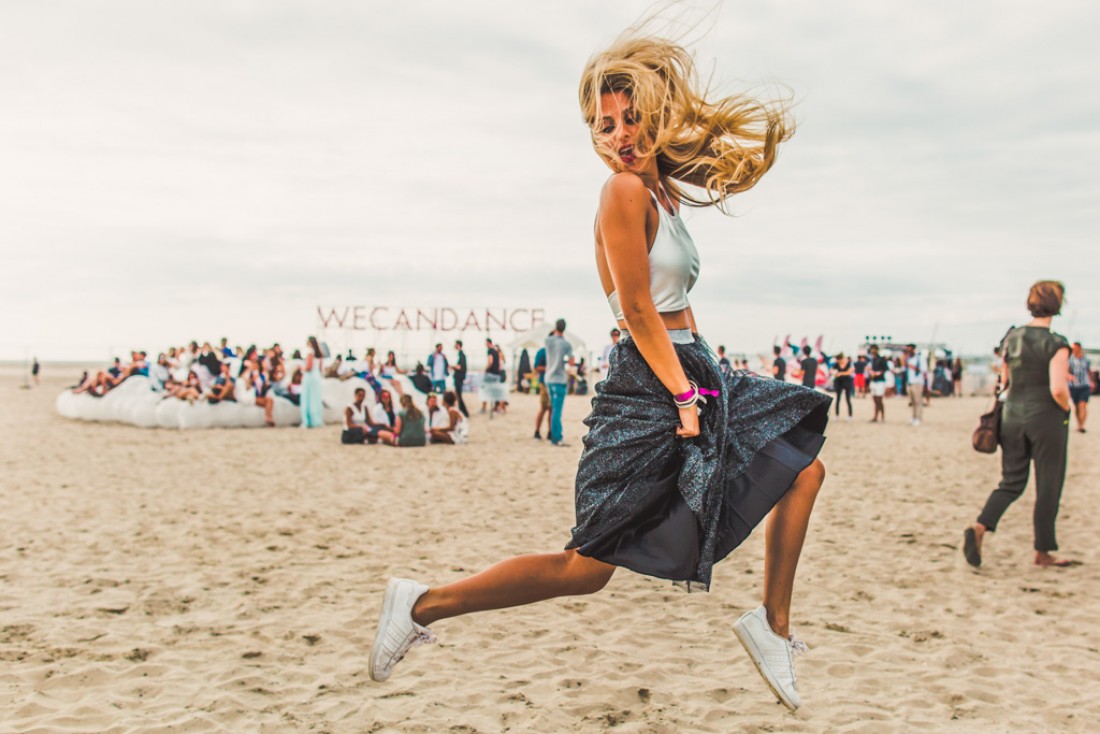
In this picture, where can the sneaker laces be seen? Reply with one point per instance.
(798, 647)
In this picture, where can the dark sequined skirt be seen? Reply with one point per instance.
(672, 507)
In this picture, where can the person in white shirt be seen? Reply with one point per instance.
(915, 367)
(605, 360)
(356, 421)
(447, 425)
(438, 369)
(383, 414)
(159, 373)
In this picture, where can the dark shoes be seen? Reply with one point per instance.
(970, 548)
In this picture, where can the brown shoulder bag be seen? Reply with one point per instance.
(987, 436)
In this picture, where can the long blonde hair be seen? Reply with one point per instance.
(723, 146)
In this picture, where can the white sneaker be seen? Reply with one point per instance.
(397, 632)
(771, 654)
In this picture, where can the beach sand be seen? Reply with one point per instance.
(230, 581)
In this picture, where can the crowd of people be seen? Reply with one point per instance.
(251, 376)
(406, 425)
(255, 376)
(903, 372)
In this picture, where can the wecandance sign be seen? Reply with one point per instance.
(386, 318)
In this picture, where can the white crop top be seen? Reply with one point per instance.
(673, 265)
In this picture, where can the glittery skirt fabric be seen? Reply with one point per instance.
(671, 507)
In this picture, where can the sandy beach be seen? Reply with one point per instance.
(230, 580)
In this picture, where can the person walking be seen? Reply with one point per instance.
(1080, 374)
(779, 365)
(559, 352)
(459, 375)
(662, 488)
(1034, 426)
(807, 369)
(915, 369)
(544, 394)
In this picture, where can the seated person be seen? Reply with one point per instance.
(408, 429)
(190, 391)
(382, 414)
(139, 364)
(261, 382)
(208, 358)
(224, 386)
(160, 373)
(108, 379)
(333, 370)
(292, 390)
(358, 426)
(390, 368)
(447, 425)
(420, 379)
(347, 369)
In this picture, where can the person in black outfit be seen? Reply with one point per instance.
(459, 374)
(1034, 426)
(493, 373)
(843, 382)
(493, 358)
(779, 366)
(880, 368)
(420, 380)
(809, 368)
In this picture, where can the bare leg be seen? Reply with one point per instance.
(786, 530)
(268, 404)
(514, 582)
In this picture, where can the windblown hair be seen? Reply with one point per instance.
(722, 146)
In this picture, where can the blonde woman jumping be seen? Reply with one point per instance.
(663, 488)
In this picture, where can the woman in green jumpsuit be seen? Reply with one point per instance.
(1034, 425)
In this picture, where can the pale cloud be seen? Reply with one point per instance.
(200, 168)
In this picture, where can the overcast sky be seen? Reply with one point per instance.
(172, 171)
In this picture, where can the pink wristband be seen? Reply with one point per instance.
(686, 396)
